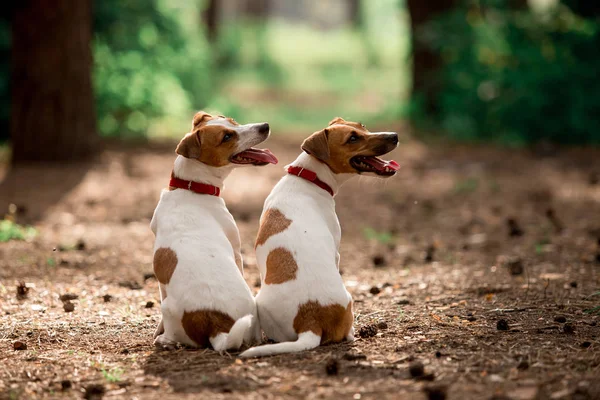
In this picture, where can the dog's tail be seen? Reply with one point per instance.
(235, 337)
(306, 341)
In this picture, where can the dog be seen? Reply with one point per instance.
(303, 302)
(197, 260)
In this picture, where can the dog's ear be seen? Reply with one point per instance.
(189, 147)
(317, 145)
(337, 120)
(199, 118)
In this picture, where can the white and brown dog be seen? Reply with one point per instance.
(302, 301)
(197, 259)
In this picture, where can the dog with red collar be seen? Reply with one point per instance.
(303, 302)
(197, 261)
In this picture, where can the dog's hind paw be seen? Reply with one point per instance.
(165, 344)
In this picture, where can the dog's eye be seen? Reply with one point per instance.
(227, 137)
(353, 138)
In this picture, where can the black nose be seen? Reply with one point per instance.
(264, 128)
(393, 138)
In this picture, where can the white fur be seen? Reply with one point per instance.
(247, 133)
(313, 237)
(209, 272)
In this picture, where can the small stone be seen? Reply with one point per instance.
(149, 304)
(382, 325)
(68, 297)
(22, 290)
(94, 391)
(416, 369)
(19, 345)
(523, 365)
(80, 245)
(515, 267)
(379, 261)
(107, 298)
(568, 328)
(502, 325)
(367, 331)
(68, 306)
(375, 290)
(513, 228)
(560, 319)
(403, 302)
(585, 345)
(435, 392)
(332, 367)
(66, 384)
(429, 253)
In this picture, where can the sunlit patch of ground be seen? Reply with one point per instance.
(426, 255)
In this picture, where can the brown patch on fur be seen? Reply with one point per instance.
(331, 145)
(272, 223)
(201, 325)
(206, 144)
(200, 118)
(165, 261)
(332, 322)
(281, 266)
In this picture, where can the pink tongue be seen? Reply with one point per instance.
(380, 164)
(262, 155)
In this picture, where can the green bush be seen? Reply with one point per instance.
(515, 76)
(148, 63)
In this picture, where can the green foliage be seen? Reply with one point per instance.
(381, 237)
(10, 230)
(113, 375)
(149, 63)
(516, 76)
(468, 185)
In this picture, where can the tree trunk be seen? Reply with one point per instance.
(210, 18)
(257, 9)
(355, 13)
(584, 8)
(52, 102)
(425, 62)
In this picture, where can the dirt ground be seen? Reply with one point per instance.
(448, 304)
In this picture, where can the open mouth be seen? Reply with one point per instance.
(254, 157)
(374, 164)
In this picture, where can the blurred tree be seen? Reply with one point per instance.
(210, 19)
(355, 13)
(52, 111)
(584, 8)
(257, 9)
(425, 62)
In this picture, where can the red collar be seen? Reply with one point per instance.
(196, 187)
(309, 176)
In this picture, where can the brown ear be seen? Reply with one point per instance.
(317, 145)
(200, 117)
(189, 147)
(337, 120)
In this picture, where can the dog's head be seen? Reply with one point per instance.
(348, 147)
(219, 141)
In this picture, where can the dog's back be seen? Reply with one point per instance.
(204, 294)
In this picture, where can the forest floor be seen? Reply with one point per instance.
(448, 304)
